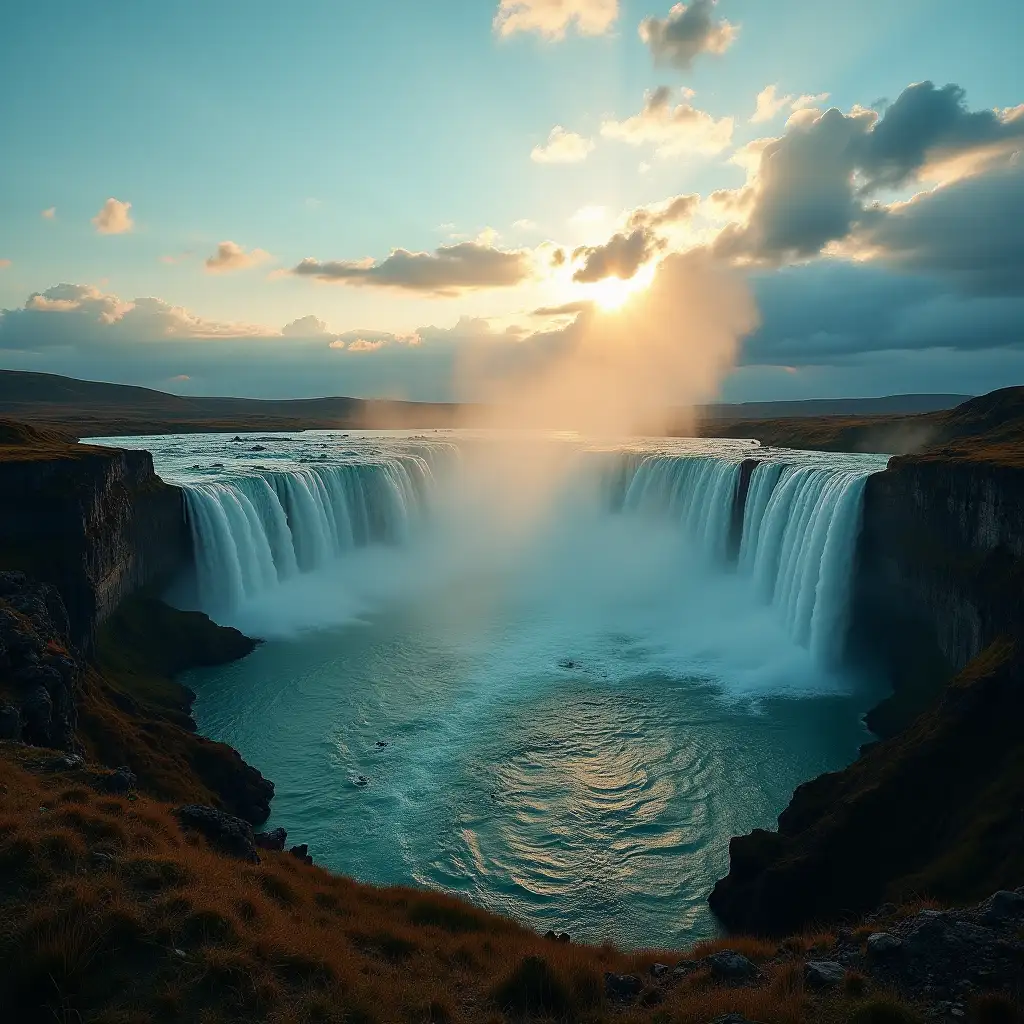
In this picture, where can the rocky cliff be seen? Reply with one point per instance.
(941, 566)
(96, 523)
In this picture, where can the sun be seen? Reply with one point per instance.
(612, 293)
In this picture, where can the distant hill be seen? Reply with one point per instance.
(892, 405)
(93, 408)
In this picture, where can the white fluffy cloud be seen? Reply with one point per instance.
(232, 256)
(82, 314)
(306, 327)
(672, 128)
(687, 32)
(553, 18)
(562, 147)
(449, 270)
(770, 104)
(114, 218)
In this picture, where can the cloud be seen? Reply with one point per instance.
(770, 104)
(373, 341)
(363, 345)
(566, 309)
(553, 18)
(447, 271)
(968, 230)
(562, 147)
(231, 256)
(80, 315)
(832, 312)
(926, 125)
(49, 213)
(672, 129)
(305, 327)
(669, 211)
(524, 225)
(687, 32)
(621, 256)
(4, 264)
(810, 187)
(113, 218)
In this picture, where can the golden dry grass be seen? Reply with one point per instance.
(110, 914)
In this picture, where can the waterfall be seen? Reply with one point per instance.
(796, 521)
(251, 531)
(800, 525)
(696, 491)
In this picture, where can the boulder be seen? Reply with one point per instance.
(302, 853)
(883, 944)
(224, 831)
(273, 840)
(622, 986)
(820, 974)
(120, 781)
(731, 967)
(1003, 906)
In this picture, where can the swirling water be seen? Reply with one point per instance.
(562, 716)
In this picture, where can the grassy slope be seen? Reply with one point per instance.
(112, 914)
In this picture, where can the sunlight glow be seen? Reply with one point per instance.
(611, 293)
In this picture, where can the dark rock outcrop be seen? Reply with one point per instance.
(40, 675)
(96, 523)
(933, 810)
(940, 574)
(273, 840)
(225, 831)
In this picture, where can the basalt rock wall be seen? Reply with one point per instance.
(97, 524)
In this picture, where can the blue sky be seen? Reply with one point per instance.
(340, 132)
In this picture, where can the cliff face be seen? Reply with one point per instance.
(935, 808)
(96, 523)
(941, 566)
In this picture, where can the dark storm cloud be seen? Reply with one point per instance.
(687, 32)
(448, 270)
(969, 230)
(811, 184)
(830, 312)
(925, 125)
(621, 256)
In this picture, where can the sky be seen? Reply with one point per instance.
(276, 201)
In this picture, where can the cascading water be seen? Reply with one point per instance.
(800, 525)
(251, 531)
(797, 532)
